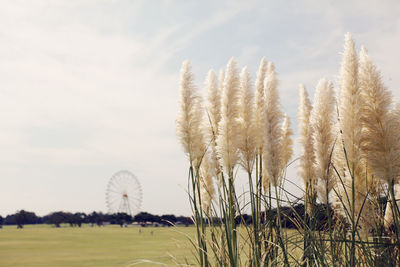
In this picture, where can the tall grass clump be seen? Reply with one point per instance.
(321, 123)
(189, 132)
(307, 172)
(348, 214)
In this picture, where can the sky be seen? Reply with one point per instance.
(88, 88)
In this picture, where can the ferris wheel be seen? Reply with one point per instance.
(124, 193)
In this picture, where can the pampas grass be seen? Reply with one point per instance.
(272, 153)
(275, 140)
(381, 146)
(259, 105)
(247, 145)
(350, 105)
(350, 115)
(356, 206)
(307, 159)
(213, 104)
(350, 159)
(188, 122)
(287, 142)
(322, 127)
(228, 137)
(211, 119)
(207, 175)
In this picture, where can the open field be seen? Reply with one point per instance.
(43, 245)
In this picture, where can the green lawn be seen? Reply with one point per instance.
(44, 245)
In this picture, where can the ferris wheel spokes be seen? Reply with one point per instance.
(124, 193)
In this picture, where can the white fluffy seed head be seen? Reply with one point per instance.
(350, 105)
(207, 174)
(287, 142)
(349, 156)
(259, 105)
(212, 117)
(273, 132)
(307, 159)
(228, 136)
(247, 146)
(322, 125)
(381, 144)
(213, 104)
(189, 119)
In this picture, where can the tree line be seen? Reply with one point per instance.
(22, 217)
(291, 215)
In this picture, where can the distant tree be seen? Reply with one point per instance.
(78, 218)
(57, 218)
(97, 218)
(168, 219)
(143, 217)
(75, 219)
(21, 218)
(120, 218)
(1, 221)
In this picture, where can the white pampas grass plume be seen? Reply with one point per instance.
(188, 122)
(212, 118)
(350, 104)
(207, 174)
(287, 142)
(228, 136)
(259, 105)
(247, 146)
(322, 124)
(307, 159)
(213, 104)
(273, 131)
(381, 144)
(351, 108)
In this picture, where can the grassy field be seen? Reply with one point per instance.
(44, 245)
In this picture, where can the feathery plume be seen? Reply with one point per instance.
(259, 105)
(273, 131)
(213, 104)
(350, 104)
(321, 120)
(287, 142)
(228, 136)
(307, 159)
(188, 122)
(211, 119)
(381, 146)
(207, 173)
(247, 146)
(352, 162)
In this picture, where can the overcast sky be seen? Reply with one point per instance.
(88, 88)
